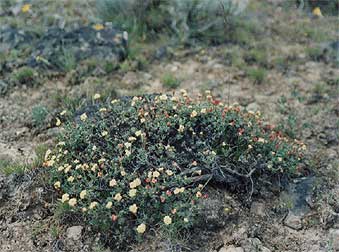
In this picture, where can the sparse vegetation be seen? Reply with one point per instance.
(257, 75)
(170, 81)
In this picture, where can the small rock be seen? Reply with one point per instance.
(231, 249)
(74, 232)
(293, 221)
(258, 209)
(334, 236)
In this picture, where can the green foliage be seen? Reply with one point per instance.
(170, 81)
(183, 18)
(257, 56)
(257, 75)
(66, 61)
(314, 53)
(39, 114)
(24, 75)
(120, 159)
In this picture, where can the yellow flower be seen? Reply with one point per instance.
(103, 109)
(26, 8)
(176, 190)
(261, 140)
(65, 197)
(155, 174)
(58, 122)
(112, 183)
(118, 197)
(96, 96)
(163, 97)
(109, 205)
(181, 189)
(98, 27)
(186, 220)
(84, 209)
(141, 228)
(169, 172)
(280, 159)
(194, 113)
(104, 133)
(83, 194)
(132, 139)
(250, 147)
(114, 101)
(317, 12)
(63, 112)
(127, 153)
(83, 117)
(48, 152)
(133, 208)
(203, 111)
(57, 185)
(72, 202)
(123, 173)
(132, 193)
(135, 183)
(138, 133)
(128, 145)
(70, 179)
(167, 220)
(93, 205)
(181, 128)
(198, 194)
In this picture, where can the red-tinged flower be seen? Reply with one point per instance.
(168, 193)
(237, 109)
(241, 131)
(216, 102)
(102, 165)
(162, 199)
(114, 217)
(174, 210)
(205, 196)
(147, 180)
(232, 123)
(168, 124)
(148, 187)
(167, 115)
(154, 180)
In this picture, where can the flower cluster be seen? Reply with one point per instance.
(141, 163)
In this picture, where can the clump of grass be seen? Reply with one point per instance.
(130, 155)
(24, 75)
(257, 56)
(314, 53)
(170, 81)
(39, 114)
(257, 75)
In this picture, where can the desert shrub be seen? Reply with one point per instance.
(39, 114)
(314, 53)
(24, 75)
(257, 75)
(139, 164)
(170, 81)
(185, 18)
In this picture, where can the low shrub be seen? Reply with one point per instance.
(184, 18)
(170, 81)
(257, 75)
(139, 165)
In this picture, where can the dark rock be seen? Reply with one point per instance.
(11, 38)
(57, 47)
